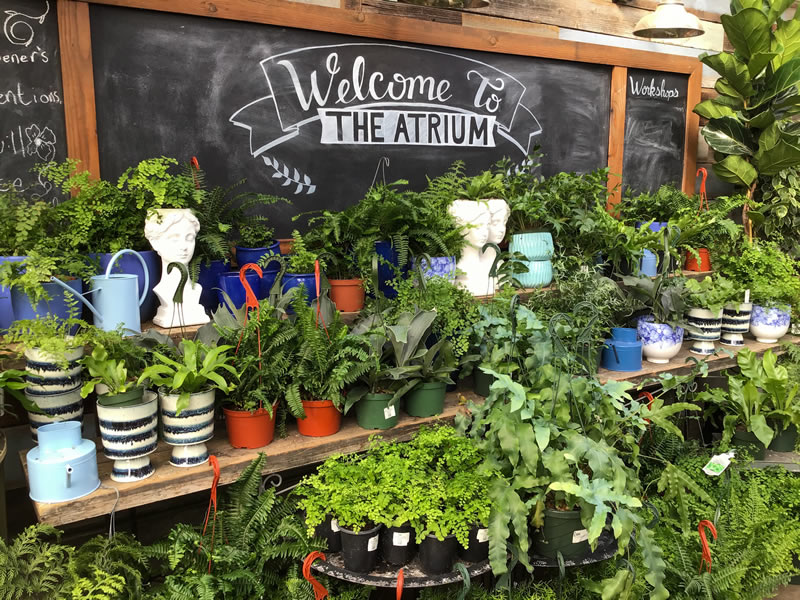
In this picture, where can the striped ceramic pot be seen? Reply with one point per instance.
(537, 245)
(540, 274)
(704, 328)
(735, 323)
(55, 391)
(129, 435)
(189, 430)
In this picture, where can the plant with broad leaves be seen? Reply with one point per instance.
(663, 297)
(711, 293)
(108, 370)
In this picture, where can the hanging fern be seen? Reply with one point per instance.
(33, 568)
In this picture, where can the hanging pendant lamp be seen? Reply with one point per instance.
(669, 20)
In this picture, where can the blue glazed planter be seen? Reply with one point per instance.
(56, 306)
(128, 263)
(441, 266)
(387, 272)
(540, 274)
(208, 278)
(253, 255)
(768, 325)
(537, 245)
(624, 334)
(6, 312)
(655, 226)
(230, 283)
(293, 280)
(660, 342)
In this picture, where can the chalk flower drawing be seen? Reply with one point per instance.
(290, 176)
(41, 142)
(17, 29)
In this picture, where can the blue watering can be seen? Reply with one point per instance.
(116, 300)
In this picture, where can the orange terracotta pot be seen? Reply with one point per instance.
(286, 245)
(347, 294)
(704, 264)
(250, 429)
(322, 419)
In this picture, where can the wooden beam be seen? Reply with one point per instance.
(693, 95)
(616, 133)
(412, 11)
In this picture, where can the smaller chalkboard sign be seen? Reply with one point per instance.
(655, 130)
(32, 127)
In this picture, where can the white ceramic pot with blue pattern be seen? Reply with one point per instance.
(129, 435)
(660, 342)
(188, 431)
(440, 266)
(54, 390)
(735, 323)
(704, 328)
(768, 325)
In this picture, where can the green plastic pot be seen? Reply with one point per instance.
(373, 412)
(130, 398)
(785, 441)
(426, 399)
(482, 382)
(749, 441)
(563, 532)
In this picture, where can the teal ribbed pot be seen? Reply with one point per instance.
(540, 274)
(537, 245)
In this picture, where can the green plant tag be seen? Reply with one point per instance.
(718, 463)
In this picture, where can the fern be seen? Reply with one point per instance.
(33, 568)
(674, 484)
(100, 586)
(121, 557)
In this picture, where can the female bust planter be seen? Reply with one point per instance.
(484, 221)
(172, 232)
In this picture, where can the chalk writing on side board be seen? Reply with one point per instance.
(655, 129)
(31, 97)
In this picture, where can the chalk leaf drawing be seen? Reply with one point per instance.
(18, 30)
(41, 142)
(290, 176)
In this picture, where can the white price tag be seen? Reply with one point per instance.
(389, 412)
(400, 539)
(372, 544)
(580, 536)
(718, 463)
(334, 526)
(483, 535)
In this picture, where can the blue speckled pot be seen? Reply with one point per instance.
(660, 342)
(540, 274)
(441, 266)
(768, 325)
(537, 245)
(253, 255)
(293, 280)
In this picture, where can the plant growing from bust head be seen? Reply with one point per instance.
(751, 125)
(22, 223)
(151, 185)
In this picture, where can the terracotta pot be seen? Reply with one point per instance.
(347, 294)
(286, 245)
(250, 429)
(322, 419)
(704, 264)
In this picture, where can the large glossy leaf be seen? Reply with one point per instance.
(728, 96)
(735, 170)
(739, 5)
(764, 433)
(777, 150)
(729, 136)
(762, 120)
(732, 69)
(748, 31)
(787, 35)
(777, 8)
(787, 76)
(758, 61)
(709, 109)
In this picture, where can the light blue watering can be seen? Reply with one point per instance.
(116, 300)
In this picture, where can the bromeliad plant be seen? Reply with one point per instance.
(196, 368)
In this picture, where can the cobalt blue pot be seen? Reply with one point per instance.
(6, 312)
(208, 278)
(230, 283)
(128, 263)
(56, 306)
(253, 255)
(387, 272)
(293, 280)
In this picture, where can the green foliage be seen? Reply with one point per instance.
(109, 568)
(151, 185)
(56, 337)
(33, 568)
(663, 297)
(22, 223)
(483, 186)
(111, 372)
(38, 268)
(769, 274)
(712, 294)
(661, 206)
(777, 214)
(301, 260)
(675, 486)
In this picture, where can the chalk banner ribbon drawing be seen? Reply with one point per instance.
(359, 95)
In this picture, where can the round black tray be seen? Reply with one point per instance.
(606, 548)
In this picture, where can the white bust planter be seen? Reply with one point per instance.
(189, 430)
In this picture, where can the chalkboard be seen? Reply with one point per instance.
(655, 130)
(241, 97)
(31, 98)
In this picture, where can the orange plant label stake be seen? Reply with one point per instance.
(212, 502)
(320, 591)
(401, 576)
(706, 557)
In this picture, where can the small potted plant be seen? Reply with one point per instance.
(437, 364)
(705, 300)
(186, 387)
(300, 268)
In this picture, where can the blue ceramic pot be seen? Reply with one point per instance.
(768, 325)
(128, 263)
(6, 312)
(293, 280)
(660, 341)
(253, 255)
(537, 245)
(230, 283)
(208, 278)
(540, 274)
(56, 306)
(441, 266)
(655, 226)
(624, 334)
(387, 272)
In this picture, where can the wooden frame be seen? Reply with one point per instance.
(79, 103)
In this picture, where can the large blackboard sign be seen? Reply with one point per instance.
(310, 115)
(31, 97)
(655, 130)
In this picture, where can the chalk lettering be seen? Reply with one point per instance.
(642, 88)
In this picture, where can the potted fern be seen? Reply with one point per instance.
(300, 268)
(705, 300)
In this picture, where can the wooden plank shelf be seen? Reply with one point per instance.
(167, 482)
(788, 460)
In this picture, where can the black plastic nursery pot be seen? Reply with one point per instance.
(478, 545)
(373, 412)
(785, 440)
(563, 532)
(437, 556)
(398, 545)
(329, 531)
(426, 399)
(748, 441)
(481, 382)
(360, 550)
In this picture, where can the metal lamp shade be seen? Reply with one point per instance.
(669, 20)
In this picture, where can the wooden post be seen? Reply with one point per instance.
(693, 93)
(616, 134)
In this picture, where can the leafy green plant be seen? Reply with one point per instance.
(151, 185)
(53, 336)
(302, 259)
(113, 568)
(777, 213)
(663, 297)
(22, 223)
(38, 267)
(33, 568)
(107, 370)
(11, 381)
(660, 206)
(483, 186)
(711, 294)
(769, 274)
(199, 368)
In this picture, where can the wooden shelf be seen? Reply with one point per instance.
(788, 460)
(167, 482)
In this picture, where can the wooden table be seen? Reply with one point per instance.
(169, 482)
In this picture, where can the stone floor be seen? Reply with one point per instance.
(791, 592)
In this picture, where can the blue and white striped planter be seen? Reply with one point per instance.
(55, 391)
(704, 328)
(188, 431)
(129, 435)
(735, 323)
